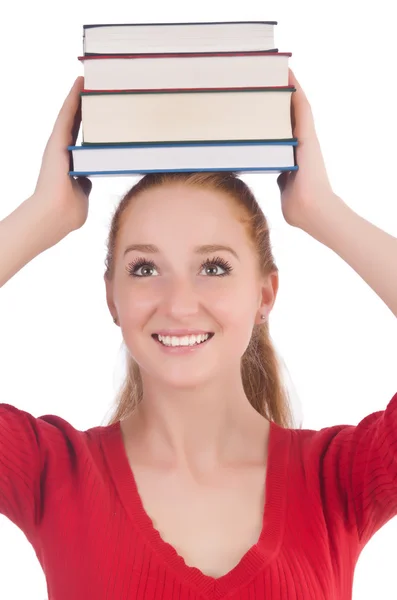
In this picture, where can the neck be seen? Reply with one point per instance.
(198, 429)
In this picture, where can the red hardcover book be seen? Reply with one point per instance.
(184, 70)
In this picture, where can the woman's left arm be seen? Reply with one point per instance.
(309, 202)
(357, 464)
(370, 251)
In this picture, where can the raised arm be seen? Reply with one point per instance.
(59, 203)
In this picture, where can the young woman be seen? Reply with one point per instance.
(199, 487)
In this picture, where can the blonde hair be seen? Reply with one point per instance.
(260, 369)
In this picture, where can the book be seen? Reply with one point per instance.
(189, 97)
(259, 156)
(159, 38)
(183, 70)
(186, 115)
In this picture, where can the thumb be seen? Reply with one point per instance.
(85, 184)
(282, 180)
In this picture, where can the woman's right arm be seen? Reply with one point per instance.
(59, 203)
(58, 206)
(23, 236)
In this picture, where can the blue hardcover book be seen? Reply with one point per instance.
(268, 156)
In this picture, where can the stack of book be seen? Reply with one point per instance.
(184, 97)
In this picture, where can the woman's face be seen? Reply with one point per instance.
(191, 268)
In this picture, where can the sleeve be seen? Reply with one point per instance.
(359, 471)
(22, 449)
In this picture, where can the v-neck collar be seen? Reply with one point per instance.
(254, 560)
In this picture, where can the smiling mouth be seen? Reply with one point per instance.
(187, 341)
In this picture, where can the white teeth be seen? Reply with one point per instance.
(187, 340)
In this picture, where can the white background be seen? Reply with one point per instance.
(59, 350)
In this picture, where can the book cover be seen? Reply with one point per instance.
(289, 88)
(185, 54)
(185, 23)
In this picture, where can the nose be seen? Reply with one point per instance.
(180, 299)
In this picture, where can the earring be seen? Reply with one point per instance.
(115, 320)
(263, 317)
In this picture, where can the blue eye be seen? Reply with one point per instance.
(209, 265)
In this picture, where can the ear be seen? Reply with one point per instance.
(109, 297)
(269, 291)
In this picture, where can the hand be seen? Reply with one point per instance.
(60, 194)
(305, 192)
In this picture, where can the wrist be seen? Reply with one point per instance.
(49, 226)
(325, 219)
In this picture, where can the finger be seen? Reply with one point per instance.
(76, 123)
(85, 184)
(299, 96)
(69, 117)
(282, 180)
(301, 112)
(292, 80)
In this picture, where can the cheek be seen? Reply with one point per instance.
(234, 312)
(137, 304)
(143, 300)
(235, 301)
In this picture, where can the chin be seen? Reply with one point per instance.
(181, 376)
(180, 379)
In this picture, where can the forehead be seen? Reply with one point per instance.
(186, 208)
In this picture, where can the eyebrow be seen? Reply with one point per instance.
(205, 249)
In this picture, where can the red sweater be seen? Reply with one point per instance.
(73, 495)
